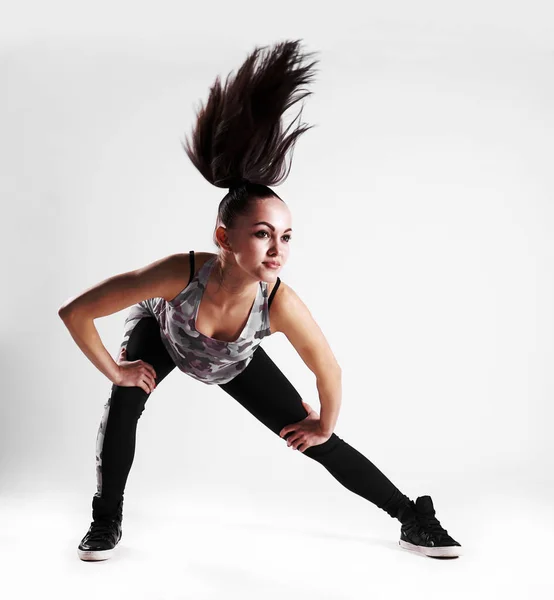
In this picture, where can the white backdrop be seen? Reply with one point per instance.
(422, 215)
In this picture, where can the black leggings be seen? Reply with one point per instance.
(261, 388)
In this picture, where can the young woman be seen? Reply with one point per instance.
(207, 313)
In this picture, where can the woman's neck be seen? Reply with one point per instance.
(228, 290)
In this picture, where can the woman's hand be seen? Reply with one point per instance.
(135, 373)
(305, 433)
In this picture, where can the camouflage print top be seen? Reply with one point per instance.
(204, 358)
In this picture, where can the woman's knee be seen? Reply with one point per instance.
(127, 402)
(328, 447)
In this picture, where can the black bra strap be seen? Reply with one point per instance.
(275, 288)
(191, 258)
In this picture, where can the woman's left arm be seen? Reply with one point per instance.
(329, 387)
(292, 317)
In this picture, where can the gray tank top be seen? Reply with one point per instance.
(204, 358)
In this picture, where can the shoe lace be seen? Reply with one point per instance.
(102, 529)
(431, 526)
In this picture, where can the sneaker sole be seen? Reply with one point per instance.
(438, 551)
(95, 554)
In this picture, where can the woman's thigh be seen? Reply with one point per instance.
(265, 391)
(144, 342)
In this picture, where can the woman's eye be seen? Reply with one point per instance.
(262, 231)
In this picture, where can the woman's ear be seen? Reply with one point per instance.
(221, 236)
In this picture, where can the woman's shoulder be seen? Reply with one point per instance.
(180, 270)
(183, 262)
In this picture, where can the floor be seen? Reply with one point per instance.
(269, 546)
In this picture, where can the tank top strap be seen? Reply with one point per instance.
(275, 288)
(191, 258)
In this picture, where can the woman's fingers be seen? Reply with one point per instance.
(150, 369)
(150, 382)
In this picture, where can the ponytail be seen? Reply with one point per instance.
(238, 141)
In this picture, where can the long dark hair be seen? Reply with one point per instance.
(238, 141)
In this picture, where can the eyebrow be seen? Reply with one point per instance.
(269, 225)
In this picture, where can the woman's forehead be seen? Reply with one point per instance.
(271, 209)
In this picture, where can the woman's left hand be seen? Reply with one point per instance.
(305, 433)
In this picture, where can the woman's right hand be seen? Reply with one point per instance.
(135, 373)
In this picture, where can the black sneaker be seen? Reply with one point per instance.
(100, 540)
(421, 531)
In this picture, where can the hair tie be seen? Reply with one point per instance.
(240, 183)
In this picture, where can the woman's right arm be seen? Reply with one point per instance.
(86, 336)
(164, 278)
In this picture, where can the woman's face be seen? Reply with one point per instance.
(263, 235)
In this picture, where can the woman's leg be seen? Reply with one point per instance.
(115, 441)
(265, 392)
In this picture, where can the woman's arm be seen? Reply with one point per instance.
(292, 317)
(329, 387)
(86, 336)
(163, 278)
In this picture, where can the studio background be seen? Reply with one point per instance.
(422, 215)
